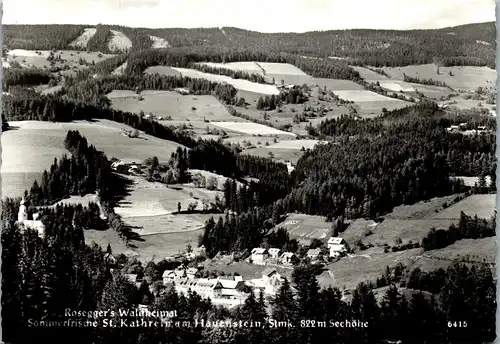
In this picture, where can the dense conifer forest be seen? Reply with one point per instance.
(368, 167)
(459, 45)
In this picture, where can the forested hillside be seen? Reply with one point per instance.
(472, 44)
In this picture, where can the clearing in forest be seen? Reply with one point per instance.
(119, 42)
(481, 205)
(82, 40)
(159, 43)
(240, 84)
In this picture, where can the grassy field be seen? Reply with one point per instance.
(162, 70)
(369, 75)
(119, 70)
(159, 43)
(463, 77)
(335, 84)
(29, 58)
(31, 146)
(422, 210)
(240, 84)
(389, 230)
(471, 181)
(306, 227)
(249, 67)
(172, 104)
(119, 42)
(291, 155)
(482, 205)
(251, 128)
(82, 40)
(348, 272)
(295, 144)
(146, 199)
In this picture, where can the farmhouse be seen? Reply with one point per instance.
(259, 256)
(192, 273)
(168, 276)
(268, 284)
(35, 224)
(274, 252)
(288, 258)
(336, 246)
(313, 254)
(206, 288)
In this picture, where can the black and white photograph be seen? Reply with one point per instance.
(248, 172)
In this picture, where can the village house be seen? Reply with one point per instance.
(192, 273)
(206, 288)
(135, 279)
(313, 254)
(268, 284)
(35, 224)
(259, 256)
(274, 252)
(336, 246)
(288, 258)
(168, 276)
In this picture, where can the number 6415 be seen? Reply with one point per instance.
(457, 323)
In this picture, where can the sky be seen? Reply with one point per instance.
(256, 15)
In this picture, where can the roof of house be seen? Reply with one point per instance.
(274, 249)
(132, 277)
(167, 273)
(192, 270)
(269, 272)
(313, 252)
(287, 255)
(259, 250)
(335, 240)
(229, 284)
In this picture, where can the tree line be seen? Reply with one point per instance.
(448, 47)
(99, 41)
(468, 228)
(25, 77)
(139, 61)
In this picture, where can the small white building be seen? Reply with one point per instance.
(274, 252)
(206, 288)
(259, 256)
(268, 284)
(192, 273)
(35, 224)
(168, 276)
(336, 246)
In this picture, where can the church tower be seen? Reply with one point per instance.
(22, 215)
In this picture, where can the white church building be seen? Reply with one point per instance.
(36, 224)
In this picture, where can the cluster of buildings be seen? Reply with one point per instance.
(227, 291)
(462, 128)
(35, 224)
(262, 256)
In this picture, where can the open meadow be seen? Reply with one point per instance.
(82, 40)
(390, 231)
(31, 58)
(31, 146)
(251, 128)
(237, 83)
(172, 104)
(162, 70)
(119, 42)
(247, 66)
(306, 227)
(158, 43)
(464, 78)
(481, 205)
